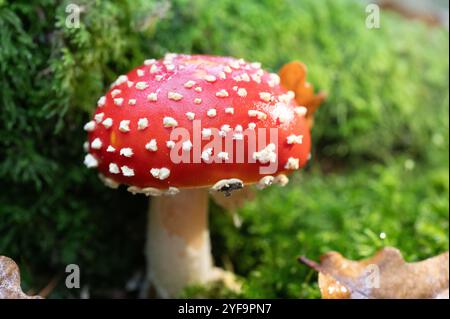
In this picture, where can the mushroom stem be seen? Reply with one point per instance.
(178, 246)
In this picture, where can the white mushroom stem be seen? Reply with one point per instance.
(178, 246)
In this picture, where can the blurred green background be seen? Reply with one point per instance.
(381, 140)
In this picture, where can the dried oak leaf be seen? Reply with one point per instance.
(10, 280)
(293, 78)
(384, 275)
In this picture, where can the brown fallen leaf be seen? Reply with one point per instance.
(384, 275)
(10, 280)
(293, 78)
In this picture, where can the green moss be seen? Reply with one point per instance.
(387, 104)
(345, 212)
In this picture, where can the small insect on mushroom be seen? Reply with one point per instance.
(228, 185)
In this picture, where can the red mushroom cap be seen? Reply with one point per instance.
(192, 97)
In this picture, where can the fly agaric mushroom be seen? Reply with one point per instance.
(176, 127)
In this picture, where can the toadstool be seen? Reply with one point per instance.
(177, 127)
